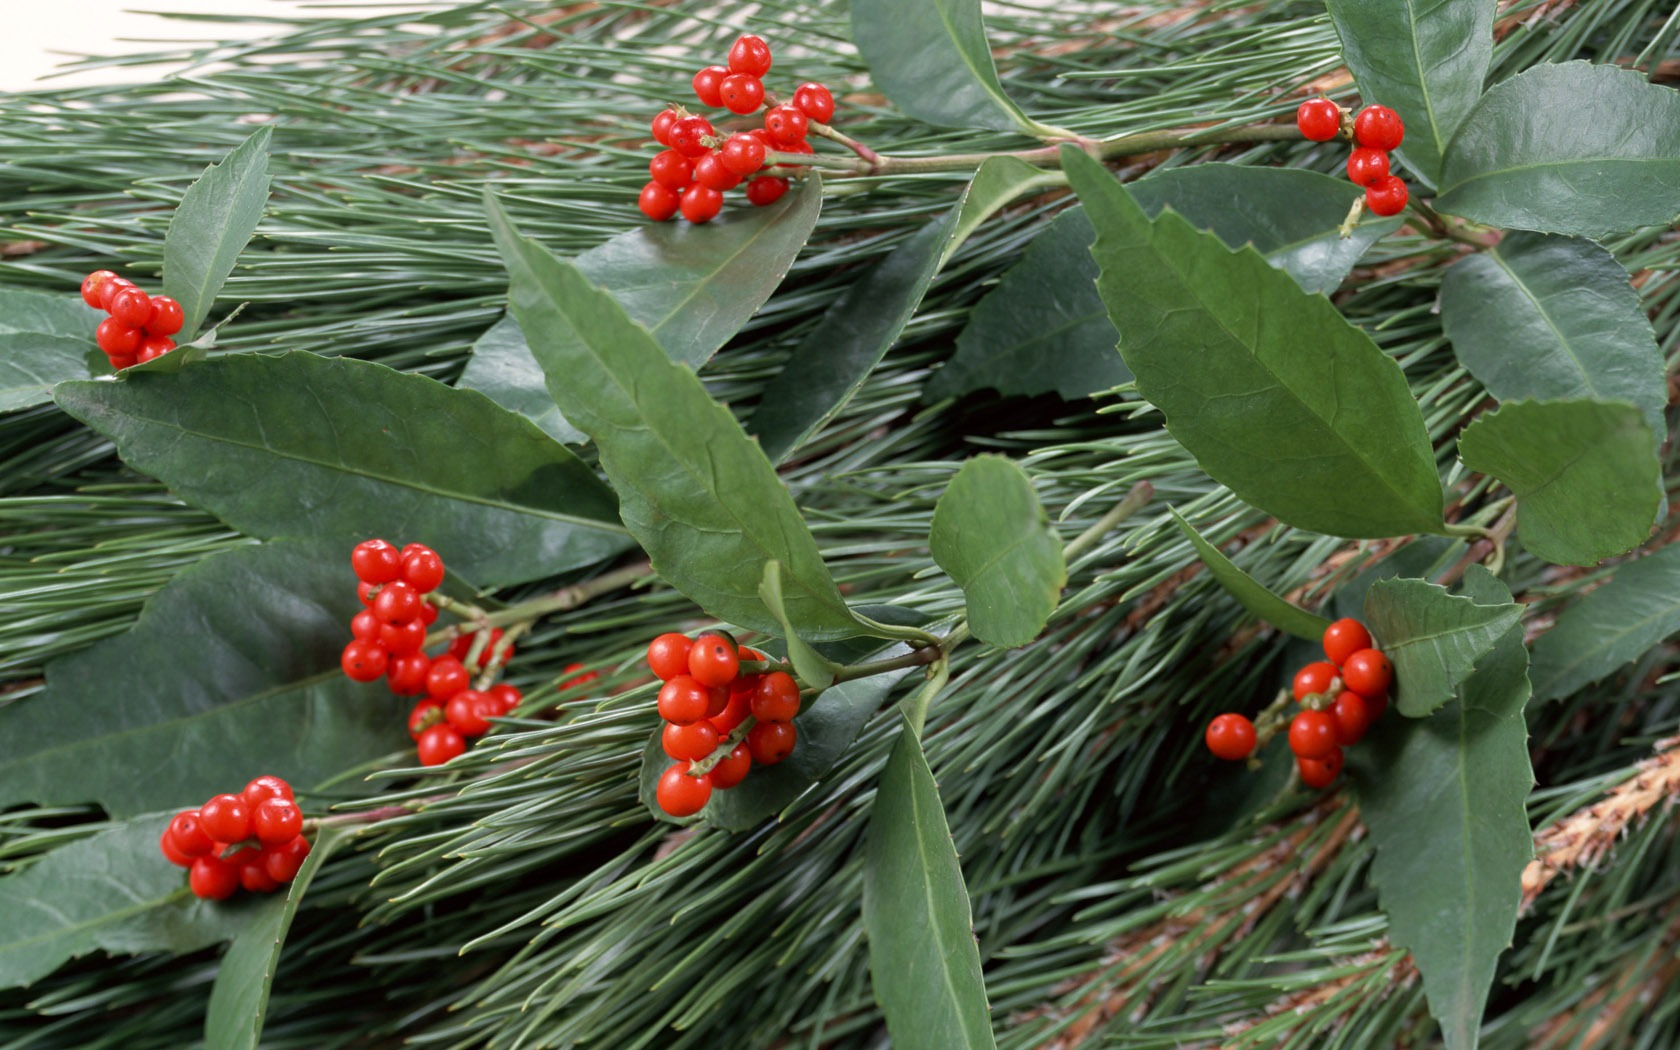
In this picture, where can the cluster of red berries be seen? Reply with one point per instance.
(698, 165)
(253, 839)
(1375, 132)
(705, 701)
(140, 325)
(1340, 698)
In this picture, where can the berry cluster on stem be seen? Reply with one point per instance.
(253, 839)
(140, 325)
(1375, 132)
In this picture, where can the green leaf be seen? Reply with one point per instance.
(813, 668)
(1272, 391)
(932, 60)
(827, 727)
(924, 960)
(1585, 474)
(1250, 593)
(44, 340)
(1425, 59)
(694, 490)
(111, 892)
(1444, 799)
(302, 445)
(1542, 316)
(269, 672)
(1612, 625)
(1044, 327)
(692, 288)
(830, 364)
(1432, 637)
(1526, 158)
(239, 997)
(212, 225)
(991, 534)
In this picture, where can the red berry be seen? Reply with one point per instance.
(776, 699)
(688, 136)
(1312, 734)
(770, 742)
(1319, 119)
(691, 742)
(446, 678)
(735, 711)
(742, 154)
(213, 878)
(742, 93)
(402, 639)
(186, 833)
(364, 626)
(367, 592)
(109, 289)
(153, 347)
(662, 126)
(398, 603)
(750, 55)
(93, 290)
(406, 675)
(466, 711)
(576, 681)
(1230, 737)
(284, 861)
(700, 203)
(463, 645)
(172, 852)
(683, 701)
(226, 818)
(785, 124)
(1368, 673)
(658, 202)
(1353, 718)
(1378, 127)
(428, 614)
(277, 821)
(116, 338)
(671, 169)
(422, 569)
(766, 189)
(167, 316)
(424, 715)
(1344, 638)
(1367, 166)
(265, 787)
(714, 659)
(131, 306)
(364, 661)
(122, 361)
(253, 873)
(667, 655)
(709, 171)
(375, 561)
(733, 768)
(815, 101)
(708, 84)
(1320, 773)
(1387, 196)
(1314, 678)
(681, 795)
(439, 744)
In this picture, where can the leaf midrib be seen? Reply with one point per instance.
(104, 919)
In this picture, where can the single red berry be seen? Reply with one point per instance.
(213, 878)
(742, 154)
(428, 614)
(406, 675)
(277, 821)
(1319, 119)
(750, 55)
(776, 699)
(1367, 166)
(226, 818)
(1368, 673)
(122, 361)
(672, 169)
(667, 655)
(402, 639)
(172, 852)
(364, 626)
(689, 135)
(658, 202)
(815, 101)
(131, 306)
(700, 203)
(422, 569)
(742, 93)
(1314, 678)
(447, 677)
(153, 347)
(364, 661)
(265, 787)
(1321, 772)
(284, 861)
(717, 699)
(108, 290)
(1230, 737)
(691, 743)
(1378, 127)
(1387, 196)
(785, 124)
(116, 338)
(572, 680)
(1353, 718)
(398, 603)
(709, 171)
(733, 768)
(771, 742)
(766, 189)
(253, 872)
(681, 795)
(425, 714)
(93, 291)
(683, 701)
(662, 126)
(1344, 638)
(506, 697)
(375, 561)
(439, 744)
(708, 85)
(714, 659)
(187, 834)
(466, 712)
(167, 316)
(1312, 734)
(735, 711)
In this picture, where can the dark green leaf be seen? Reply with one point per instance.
(830, 364)
(1585, 474)
(1527, 157)
(212, 225)
(1275, 394)
(239, 998)
(1424, 59)
(697, 493)
(268, 671)
(1542, 316)
(112, 892)
(1444, 799)
(1612, 625)
(1250, 593)
(923, 957)
(991, 534)
(44, 340)
(691, 287)
(301, 445)
(1433, 638)
(813, 668)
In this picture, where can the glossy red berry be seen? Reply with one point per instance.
(1379, 128)
(1387, 196)
(398, 603)
(402, 639)
(447, 677)
(683, 701)
(766, 189)
(376, 561)
(815, 101)
(681, 795)
(776, 699)
(277, 821)
(504, 697)
(735, 711)
(93, 288)
(714, 659)
(700, 203)
(742, 154)
(1368, 673)
(1319, 119)
(439, 744)
(186, 832)
(365, 625)
(226, 818)
(771, 742)
(1353, 717)
(1312, 734)
(750, 55)
(709, 171)
(1344, 638)
(672, 169)
(1230, 737)
(691, 742)
(733, 768)
(153, 347)
(253, 872)
(689, 135)
(662, 126)
(667, 655)
(116, 338)
(742, 93)
(1314, 678)
(658, 202)
(284, 861)
(406, 675)
(131, 306)
(708, 85)
(265, 787)
(171, 851)
(1367, 166)
(364, 661)
(468, 711)
(785, 125)
(213, 879)
(167, 316)
(122, 361)
(1320, 773)
(424, 715)
(422, 569)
